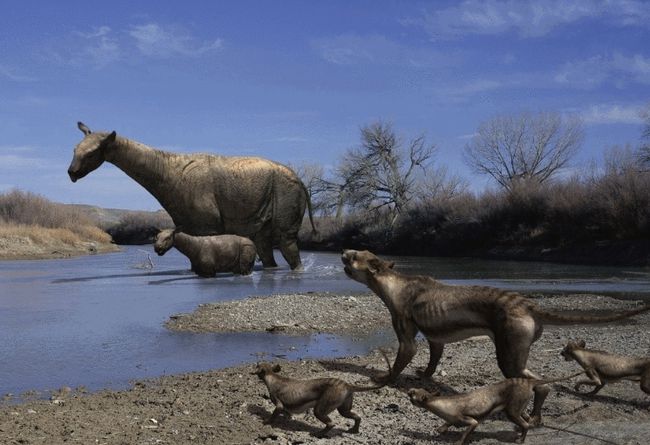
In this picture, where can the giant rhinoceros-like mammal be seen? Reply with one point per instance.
(209, 194)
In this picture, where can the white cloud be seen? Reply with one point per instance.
(463, 92)
(12, 74)
(351, 49)
(618, 69)
(156, 41)
(9, 162)
(530, 18)
(612, 114)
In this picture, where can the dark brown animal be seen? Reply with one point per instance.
(446, 314)
(510, 396)
(324, 395)
(603, 367)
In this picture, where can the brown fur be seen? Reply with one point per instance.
(209, 194)
(324, 395)
(446, 314)
(210, 254)
(603, 367)
(509, 395)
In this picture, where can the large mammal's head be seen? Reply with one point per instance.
(89, 153)
(164, 241)
(362, 265)
(570, 348)
(264, 369)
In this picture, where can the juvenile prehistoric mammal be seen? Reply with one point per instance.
(210, 254)
(294, 396)
(603, 367)
(446, 314)
(509, 395)
(209, 194)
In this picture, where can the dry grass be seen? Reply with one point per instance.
(29, 218)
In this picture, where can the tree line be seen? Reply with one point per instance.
(389, 193)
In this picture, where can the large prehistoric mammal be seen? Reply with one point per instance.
(210, 254)
(209, 194)
(510, 396)
(604, 367)
(324, 395)
(447, 314)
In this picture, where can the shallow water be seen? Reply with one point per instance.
(97, 321)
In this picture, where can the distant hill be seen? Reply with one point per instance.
(127, 226)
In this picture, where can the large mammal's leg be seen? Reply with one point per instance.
(264, 245)
(290, 252)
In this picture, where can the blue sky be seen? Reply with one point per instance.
(294, 81)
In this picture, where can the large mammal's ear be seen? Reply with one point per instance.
(390, 264)
(277, 368)
(85, 130)
(178, 229)
(110, 138)
(581, 343)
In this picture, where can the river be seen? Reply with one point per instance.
(97, 321)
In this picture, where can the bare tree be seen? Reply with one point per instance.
(644, 150)
(382, 172)
(524, 147)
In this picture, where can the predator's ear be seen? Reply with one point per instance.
(390, 264)
(178, 229)
(85, 130)
(581, 343)
(277, 368)
(374, 265)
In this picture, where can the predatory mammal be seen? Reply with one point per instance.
(603, 367)
(324, 395)
(209, 194)
(510, 396)
(210, 254)
(446, 314)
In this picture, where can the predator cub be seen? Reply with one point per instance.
(603, 367)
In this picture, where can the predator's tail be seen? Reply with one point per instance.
(558, 379)
(356, 388)
(559, 319)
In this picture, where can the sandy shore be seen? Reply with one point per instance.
(228, 406)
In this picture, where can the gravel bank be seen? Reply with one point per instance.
(228, 406)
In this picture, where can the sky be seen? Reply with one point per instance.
(294, 81)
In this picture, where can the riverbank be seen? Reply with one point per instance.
(36, 243)
(228, 406)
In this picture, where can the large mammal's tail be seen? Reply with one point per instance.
(356, 388)
(558, 318)
(311, 217)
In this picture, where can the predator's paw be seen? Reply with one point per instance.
(353, 430)
(535, 421)
(382, 378)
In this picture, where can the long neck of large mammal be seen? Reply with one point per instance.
(155, 170)
(187, 245)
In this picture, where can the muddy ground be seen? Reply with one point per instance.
(228, 406)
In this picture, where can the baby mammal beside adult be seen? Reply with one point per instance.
(603, 367)
(446, 314)
(510, 396)
(210, 254)
(324, 395)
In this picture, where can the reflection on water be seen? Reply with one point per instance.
(98, 321)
